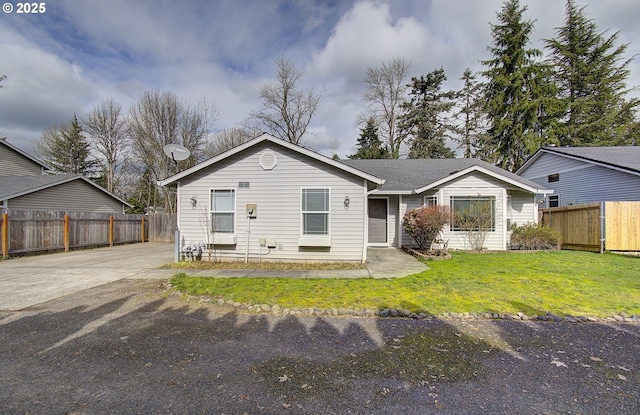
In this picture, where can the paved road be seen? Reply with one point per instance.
(130, 347)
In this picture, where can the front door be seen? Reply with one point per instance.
(377, 221)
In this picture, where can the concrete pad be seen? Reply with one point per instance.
(27, 281)
(392, 263)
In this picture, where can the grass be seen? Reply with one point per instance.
(562, 282)
(267, 265)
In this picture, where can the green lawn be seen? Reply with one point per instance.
(562, 282)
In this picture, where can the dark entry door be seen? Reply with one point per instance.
(377, 221)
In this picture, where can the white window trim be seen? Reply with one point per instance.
(433, 196)
(476, 197)
(224, 238)
(315, 240)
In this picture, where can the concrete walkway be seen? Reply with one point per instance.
(381, 263)
(28, 281)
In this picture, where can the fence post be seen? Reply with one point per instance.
(142, 229)
(65, 233)
(111, 230)
(5, 235)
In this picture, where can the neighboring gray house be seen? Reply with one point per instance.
(25, 186)
(15, 162)
(291, 203)
(580, 175)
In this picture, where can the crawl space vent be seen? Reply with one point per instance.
(268, 160)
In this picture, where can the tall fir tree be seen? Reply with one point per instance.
(425, 116)
(517, 90)
(590, 74)
(472, 131)
(66, 149)
(369, 144)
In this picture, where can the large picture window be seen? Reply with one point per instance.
(315, 211)
(473, 213)
(223, 210)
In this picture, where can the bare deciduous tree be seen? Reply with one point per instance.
(107, 129)
(227, 139)
(287, 108)
(386, 90)
(160, 118)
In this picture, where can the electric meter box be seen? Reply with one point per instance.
(252, 210)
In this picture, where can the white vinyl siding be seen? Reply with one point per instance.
(478, 184)
(277, 194)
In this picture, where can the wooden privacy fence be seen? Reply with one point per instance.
(27, 232)
(611, 226)
(162, 227)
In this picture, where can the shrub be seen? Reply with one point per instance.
(425, 223)
(532, 236)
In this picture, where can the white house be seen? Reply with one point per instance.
(579, 175)
(273, 199)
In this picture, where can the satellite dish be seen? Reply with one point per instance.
(176, 152)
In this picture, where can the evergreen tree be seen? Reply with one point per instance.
(66, 149)
(425, 118)
(369, 144)
(472, 129)
(590, 75)
(517, 91)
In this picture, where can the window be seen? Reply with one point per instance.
(315, 211)
(554, 201)
(431, 200)
(223, 210)
(473, 213)
(553, 178)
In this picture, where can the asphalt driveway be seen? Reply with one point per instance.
(131, 347)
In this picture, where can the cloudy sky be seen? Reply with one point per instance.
(79, 53)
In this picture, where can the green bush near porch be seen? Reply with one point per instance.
(561, 282)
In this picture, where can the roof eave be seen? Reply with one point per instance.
(470, 169)
(286, 144)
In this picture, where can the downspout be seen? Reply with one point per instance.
(365, 224)
(399, 223)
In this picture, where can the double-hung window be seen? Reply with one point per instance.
(473, 213)
(223, 210)
(315, 211)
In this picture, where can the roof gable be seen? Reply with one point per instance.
(16, 186)
(268, 138)
(410, 176)
(11, 147)
(625, 158)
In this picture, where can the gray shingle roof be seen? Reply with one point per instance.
(14, 186)
(410, 174)
(627, 157)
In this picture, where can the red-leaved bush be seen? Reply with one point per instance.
(425, 223)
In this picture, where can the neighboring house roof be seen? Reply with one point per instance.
(617, 157)
(16, 186)
(268, 138)
(407, 176)
(3, 140)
